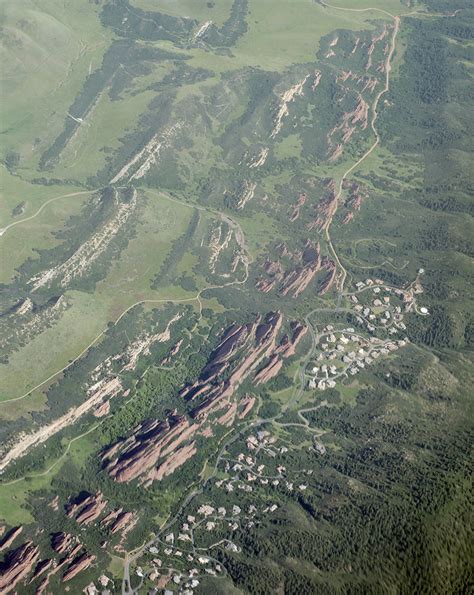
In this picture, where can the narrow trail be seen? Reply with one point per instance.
(42, 207)
(65, 452)
(56, 462)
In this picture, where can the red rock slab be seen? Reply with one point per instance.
(18, 564)
(78, 565)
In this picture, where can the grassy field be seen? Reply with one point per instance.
(16, 191)
(193, 9)
(127, 282)
(14, 495)
(55, 347)
(105, 124)
(21, 240)
(51, 51)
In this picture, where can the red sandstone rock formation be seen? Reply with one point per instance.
(18, 564)
(41, 588)
(295, 209)
(61, 542)
(78, 565)
(10, 537)
(273, 267)
(123, 519)
(54, 504)
(286, 348)
(207, 432)
(326, 208)
(328, 282)
(227, 419)
(103, 409)
(156, 448)
(253, 337)
(347, 218)
(173, 462)
(265, 285)
(296, 281)
(354, 201)
(88, 510)
(174, 351)
(110, 517)
(41, 567)
(149, 442)
(245, 406)
(269, 370)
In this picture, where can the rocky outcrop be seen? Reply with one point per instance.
(269, 370)
(18, 564)
(348, 218)
(247, 192)
(306, 263)
(354, 201)
(265, 285)
(41, 588)
(117, 520)
(81, 262)
(122, 520)
(261, 340)
(374, 41)
(328, 282)
(150, 441)
(22, 323)
(274, 271)
(54, 504)
(79, 564)
(102, 410)
(296, 281)
(143, 344)
(96, 394)
(173, 352)
(227, 418)
(41, 568)
(157, 448)
(61, 542)
(295, 209)
(105, 388)
(245, 406)
(286, 98)
(273, 267)
(172, 463)
(111, 517)
(327, 206)
(286, 348)
(87, 510)
(10, 537)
